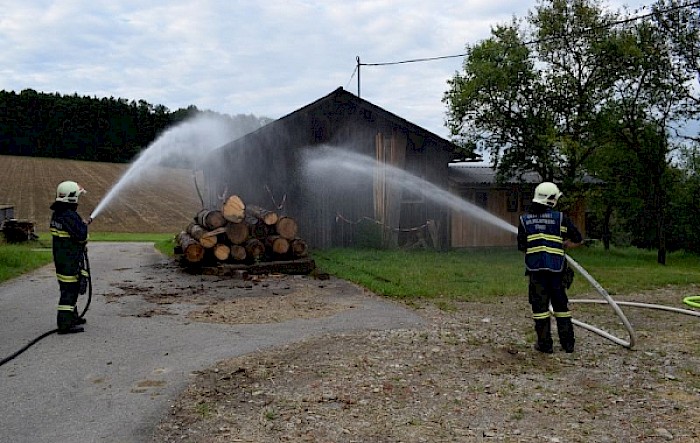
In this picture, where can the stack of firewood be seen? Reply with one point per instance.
(236, 233)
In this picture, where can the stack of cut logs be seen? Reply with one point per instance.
(237, 233)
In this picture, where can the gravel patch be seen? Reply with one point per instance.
(469, 375)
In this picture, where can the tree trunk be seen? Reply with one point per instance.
(237, 233)
(286, 227)
(192, 251)
(660, 226)
(607, 235)
(203, 236)
(210, 219)
(277, 244)
(233, 209)
(264, 215)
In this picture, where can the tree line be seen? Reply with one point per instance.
(575, 90)
(89, 128)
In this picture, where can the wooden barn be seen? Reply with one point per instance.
(477, 184)
(331, 165)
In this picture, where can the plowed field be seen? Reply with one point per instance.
(165, 201)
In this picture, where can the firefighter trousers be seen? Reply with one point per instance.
(544, 288)
(67, 315)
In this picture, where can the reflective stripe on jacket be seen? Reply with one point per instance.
(545, 242)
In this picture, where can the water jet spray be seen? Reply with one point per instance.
(181, 146)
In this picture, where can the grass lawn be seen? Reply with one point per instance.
(485, 274)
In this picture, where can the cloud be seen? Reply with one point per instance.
(267, 58)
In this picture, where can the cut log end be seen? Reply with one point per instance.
(299, 248)
(267, 217)
(233, 209)
(222, 252)
(286, 227)
(237, 233)
(238, 253)
(277, 244)
(210, 219)
(192, 251)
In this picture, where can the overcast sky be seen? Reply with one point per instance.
(261, 57)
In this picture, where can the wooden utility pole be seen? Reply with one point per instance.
(358, 75)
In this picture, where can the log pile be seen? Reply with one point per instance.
(238, 237)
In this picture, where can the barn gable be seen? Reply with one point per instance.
(267, 168)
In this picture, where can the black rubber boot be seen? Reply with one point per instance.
(543, 328)
(71, 330)
(78, 320)
(566, 334)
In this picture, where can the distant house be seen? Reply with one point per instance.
(477, 184)
(268, 168)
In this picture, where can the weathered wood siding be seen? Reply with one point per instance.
(468, 231)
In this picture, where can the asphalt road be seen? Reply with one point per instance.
(113, 382)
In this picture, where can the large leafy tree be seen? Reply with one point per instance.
(549, 96)
(498, 105)
(655, 94)
(528, 96)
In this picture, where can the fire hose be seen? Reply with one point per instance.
(691, 301)
(46, 334)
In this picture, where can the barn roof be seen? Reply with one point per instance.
(471, 173)
(340, 95)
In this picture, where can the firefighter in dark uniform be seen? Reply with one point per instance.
(544, 234)
(70, 234)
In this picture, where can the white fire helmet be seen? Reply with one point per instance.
(68, 192)
(547, 193)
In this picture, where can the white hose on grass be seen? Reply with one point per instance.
(616, 307)
(630, 330)
(643, 305)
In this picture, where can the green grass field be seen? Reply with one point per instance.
(17, 259)
(486, 274)
(460, 275)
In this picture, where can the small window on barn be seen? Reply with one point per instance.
(481, 199)
(512, 200)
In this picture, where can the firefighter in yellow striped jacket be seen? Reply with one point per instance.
(544, 234)
(70, 234)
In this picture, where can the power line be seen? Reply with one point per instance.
(532, 42)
